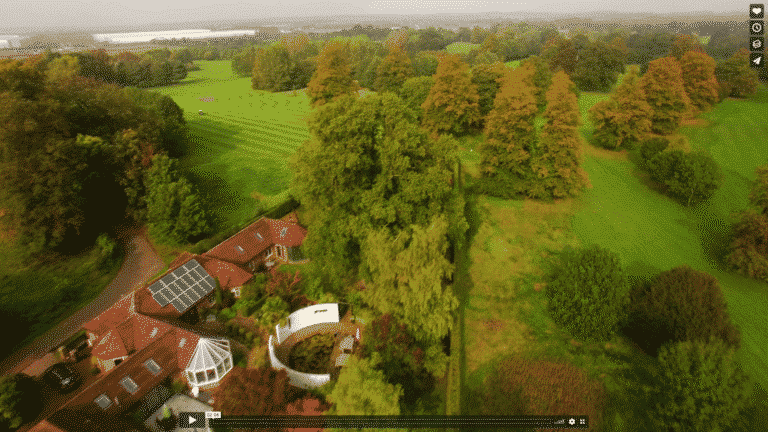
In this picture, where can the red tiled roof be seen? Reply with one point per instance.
(246, 244)
(285, 233)
(229, 275)
(112, 317)
(44, 426)
(110, 346)
(186, 342)
(148, 330)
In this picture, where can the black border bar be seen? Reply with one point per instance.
(400, 422)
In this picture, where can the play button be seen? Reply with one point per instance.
(191, 419)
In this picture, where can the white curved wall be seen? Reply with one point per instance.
(296, 378)
(310, 315)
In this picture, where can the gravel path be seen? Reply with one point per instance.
(141, 262)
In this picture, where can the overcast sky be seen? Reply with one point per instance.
(40, 14)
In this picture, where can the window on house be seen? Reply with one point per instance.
(103, 401)
(191, 377)
(258, 236)
(239, 249)
(200, 377)
(220, 369)
(152, 366)
(283, 232)
(211, 374)
(129, 385)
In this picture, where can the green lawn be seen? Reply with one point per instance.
(461, 47)
(505, 309)
(240, 146)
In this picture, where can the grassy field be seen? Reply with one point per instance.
(461, 47)
(505, 309)
(240, 146)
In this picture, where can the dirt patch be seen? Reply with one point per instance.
(207, 99)
(695, 122)
(590, 150)
(493, 324)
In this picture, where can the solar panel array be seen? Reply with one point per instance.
(183, 287)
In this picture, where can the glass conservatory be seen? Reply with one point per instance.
(211, 360)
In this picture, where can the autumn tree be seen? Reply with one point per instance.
(664, 90)
(270, 68)
(748, 251)
(393, 72)
(624, 120)
(415, 92)
(452, 105)
(699, 79)
(486, 77)
(684, 43)
(561, 54)
(541, 80)
(599, 66)
(425, 64)
(396, 40)
(362, 390)
(510, 135)
(251, 392)
(735, 73)
(557, 165)
(333, 77)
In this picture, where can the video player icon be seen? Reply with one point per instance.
(191, 420)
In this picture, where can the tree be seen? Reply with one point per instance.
(665, 93)
(173, 210)
(690, 177)
(270, 69)
(452, 104)
(561, 54)
(737, 75)
(415, 92)
(486, 77)
(540, 80)
(684, 44)
(22, 78)
(396, 39)
(624, 119)
(260, 391)
(557, 164)
(478, 35)
(510, 134)
(587, 292)
(363, 390)
(273, 311)
(681, 304)
(699, 79)
(244, 61)
(425, 64)
(409, 276)
(393, 72)
(698, 386)
(758, 193)
(333, 77)
(96, 64)
(63, 69)
(748, 253)
(598, 67)
(19, 399)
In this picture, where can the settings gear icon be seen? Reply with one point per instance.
(572, 422)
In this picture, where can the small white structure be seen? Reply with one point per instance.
(211, 360)
(200, 112)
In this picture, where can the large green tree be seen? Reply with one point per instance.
(665, 92)
(363, 390)
(415, 92)
(561, 54)
(19, 400)
(624, 120)
(333, 76)
(735, 73)
(599, 66)
(452, 105)
(486, 77)
(683, 44)
(557, 163)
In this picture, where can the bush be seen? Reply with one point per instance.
(651, 148)
(698, 386)
(273, 311)
(681, 304)
(227, 314)
(749, 247)
(691, 178)
(587, 292)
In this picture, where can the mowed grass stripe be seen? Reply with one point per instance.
(262, 148)
(278, 134)
(276, 125)
(245, 135)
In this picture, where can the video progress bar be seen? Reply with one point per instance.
(401, 422)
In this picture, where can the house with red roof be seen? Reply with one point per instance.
(144, 338)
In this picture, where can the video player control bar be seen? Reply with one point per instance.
(397, 422)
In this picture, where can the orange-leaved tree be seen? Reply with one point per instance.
(665, 92)
(699, 80)
(510, 134)
(735, 74)
(685, 43)
(452, 105)
(557, 164)
(333, 77)
(393, 71)
(624, 119)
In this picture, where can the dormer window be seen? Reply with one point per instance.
(239, 249)
(129, 385)
(152, 366)
(283, 232)
(259, 236)
(154, 332)
(103, 401)
(182, 342)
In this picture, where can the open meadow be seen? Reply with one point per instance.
(240, 146)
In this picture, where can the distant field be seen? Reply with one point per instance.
(461, 47)
(240, 146)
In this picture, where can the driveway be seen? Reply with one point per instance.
(141, 262)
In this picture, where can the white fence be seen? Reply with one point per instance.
(310, 315)
(296, 378)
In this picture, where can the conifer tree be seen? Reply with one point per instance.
(665, 92)
(510, 134)
(557, 165)
(540, 80)
(699, 79)
(486, 77)
(624, 119)
(333, 77)
(393, 72)
(452, 105)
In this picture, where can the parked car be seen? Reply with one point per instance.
(62, 377)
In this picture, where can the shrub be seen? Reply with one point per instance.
(681, 304)
(749, 247)
(651, 148)
(689, 177)
(273, 310)
(227, 314)
(698, 386)
(587, 292)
